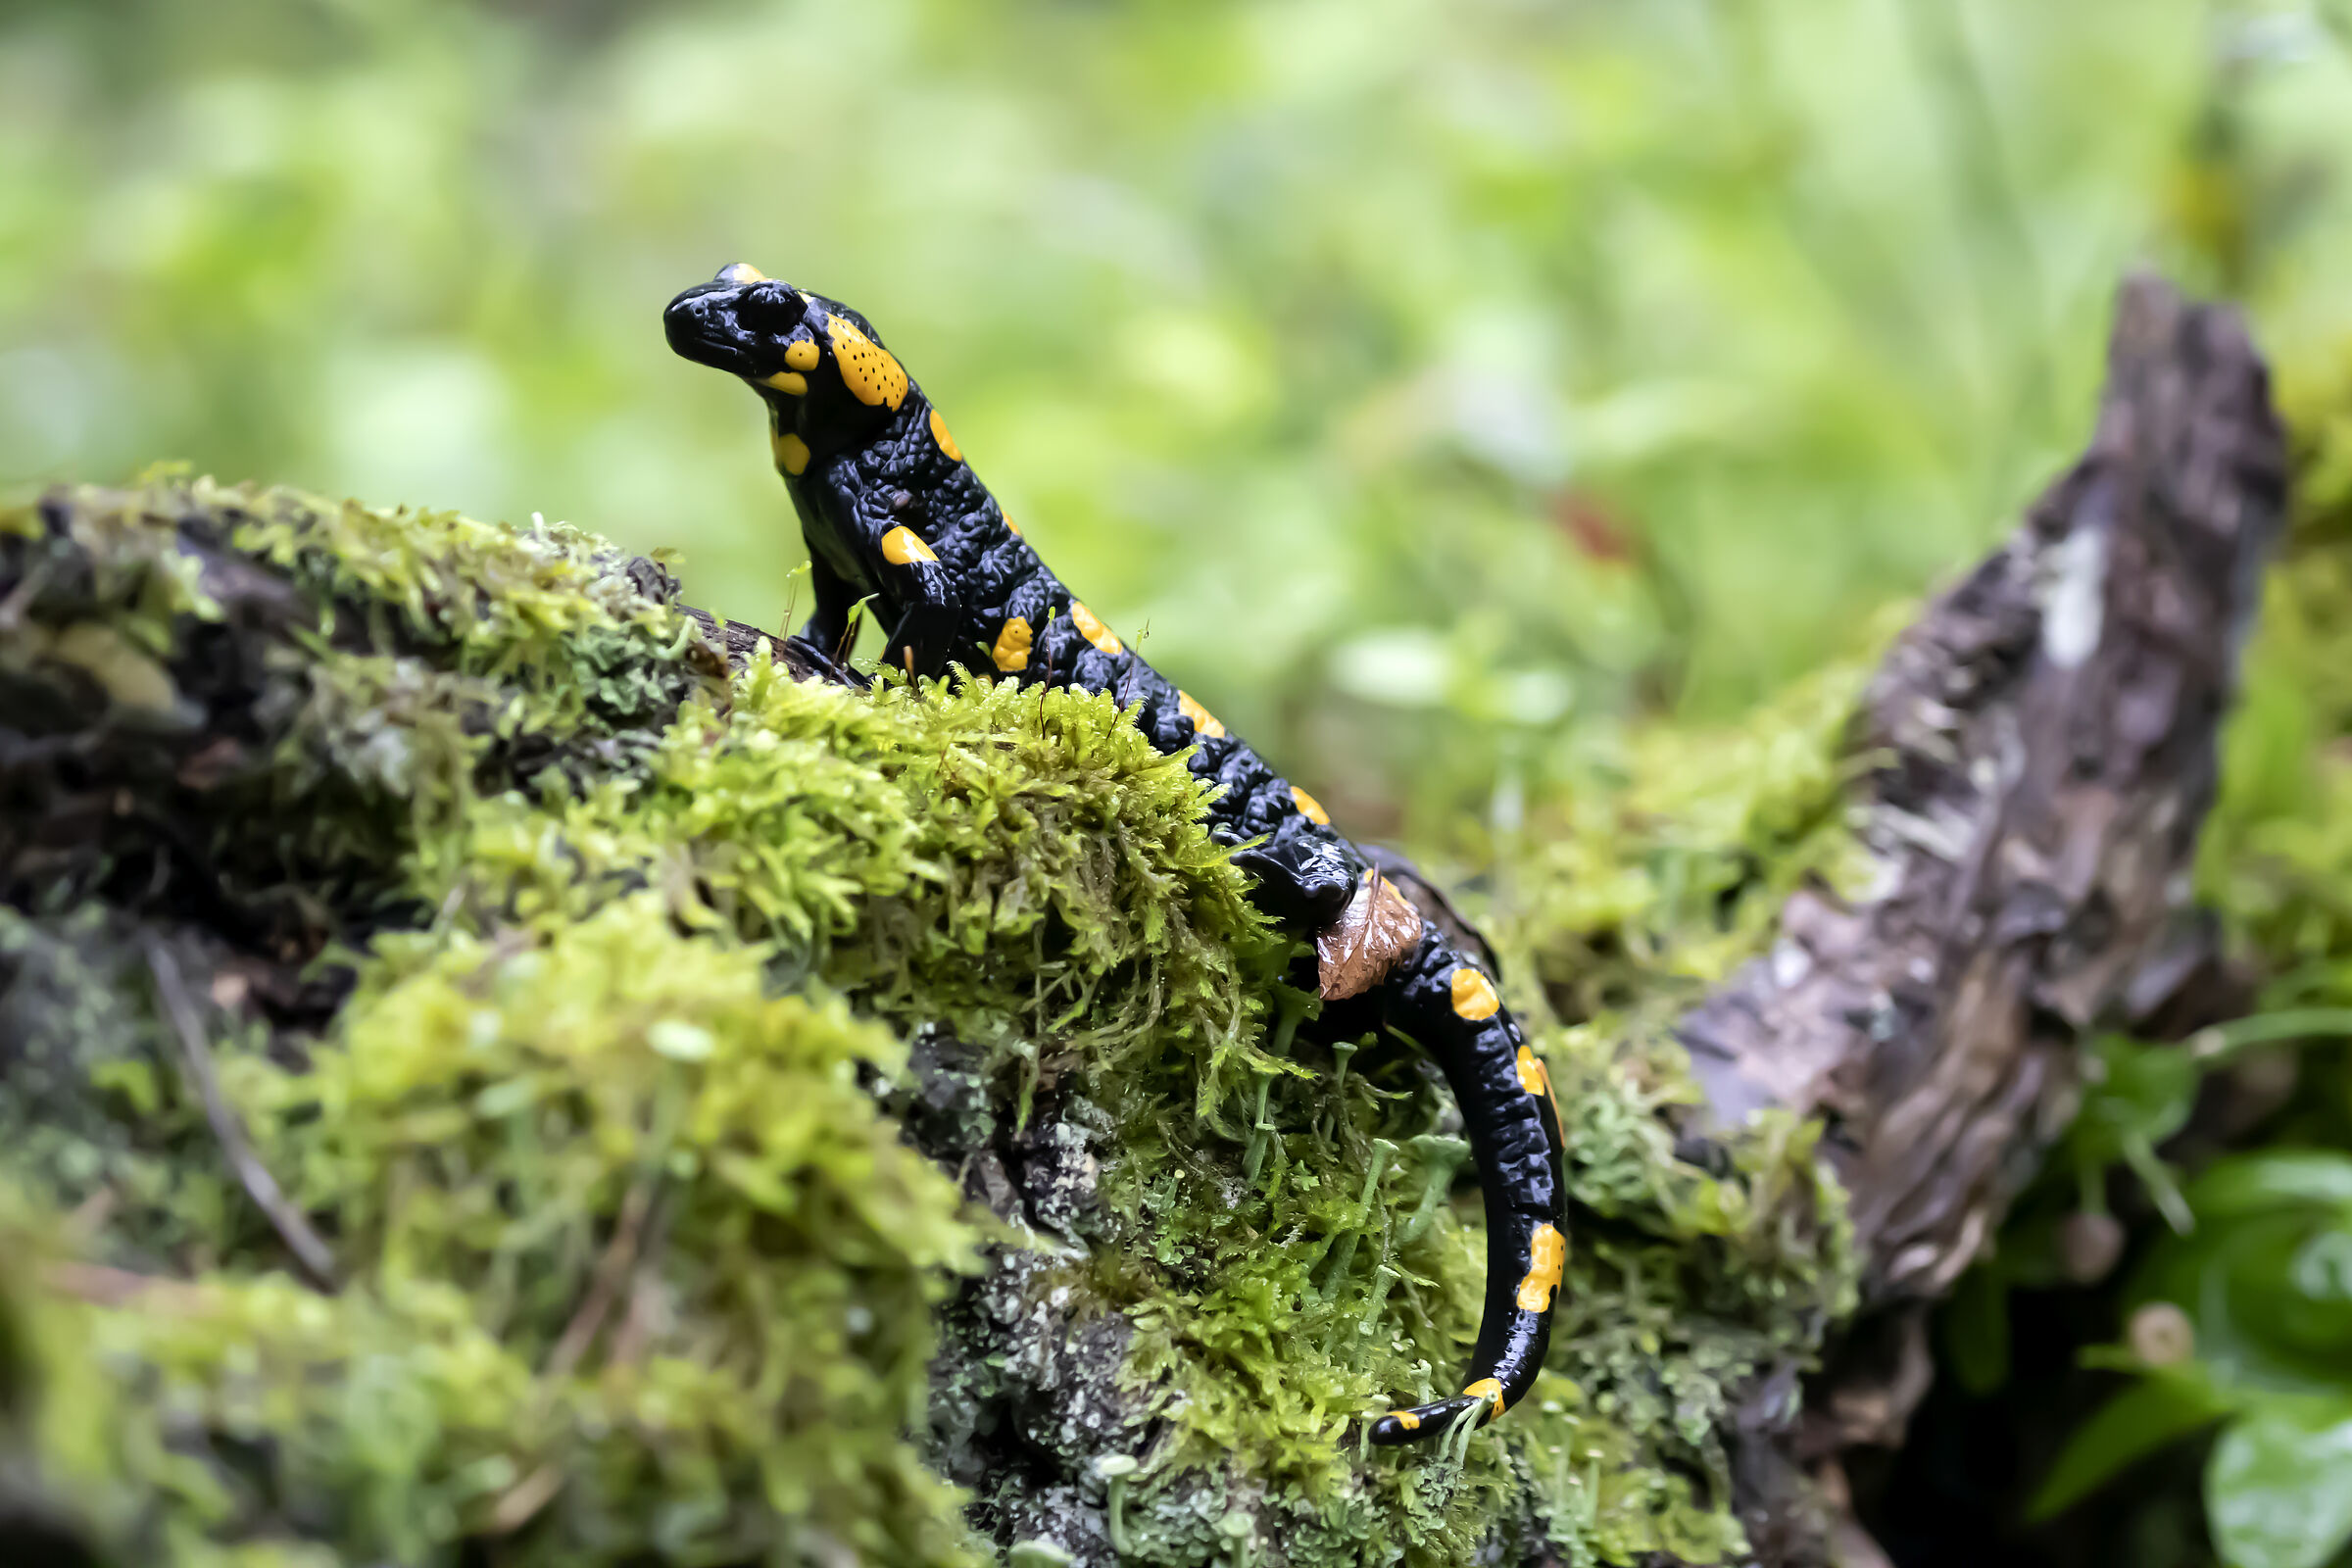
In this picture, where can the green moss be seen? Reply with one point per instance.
(630, 1252)
(2276, 855)
(1666, 870)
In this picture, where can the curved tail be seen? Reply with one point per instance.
(1446, 1004)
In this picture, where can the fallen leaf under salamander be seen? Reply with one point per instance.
(893, 513)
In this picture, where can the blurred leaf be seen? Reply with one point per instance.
(2139, 1095)
(2272, 1179)
(1976, 1330)
(2267, 1028)
(2269, 1293)
(2133, 1425)
(2139, 1091)
(2279, 1488)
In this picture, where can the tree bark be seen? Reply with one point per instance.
(2044, 738)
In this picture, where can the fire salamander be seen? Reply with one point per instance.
(892, 512)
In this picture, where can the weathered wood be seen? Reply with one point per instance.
(2044, 738)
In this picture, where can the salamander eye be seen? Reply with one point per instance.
(769, 306)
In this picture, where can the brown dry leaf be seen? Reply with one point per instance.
(1365, 941)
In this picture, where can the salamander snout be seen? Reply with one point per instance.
(737, 323)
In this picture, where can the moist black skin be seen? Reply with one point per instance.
(891, 513)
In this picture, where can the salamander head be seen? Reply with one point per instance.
(823, 371)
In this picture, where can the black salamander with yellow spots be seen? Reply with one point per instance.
(892, 512)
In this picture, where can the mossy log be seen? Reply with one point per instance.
(493, 1068)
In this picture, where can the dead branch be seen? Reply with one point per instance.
(2048, 729)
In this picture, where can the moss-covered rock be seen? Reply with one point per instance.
(628, 1029)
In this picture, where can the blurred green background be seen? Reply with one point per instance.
(1434, 386)
(1428, 382)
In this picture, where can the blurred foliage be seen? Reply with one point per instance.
(1515, 373)
(1498, 365)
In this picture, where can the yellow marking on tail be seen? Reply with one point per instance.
(1474, 996)
(870, 371)
(1011, 652)
(1547, 1258)
(1093, 630)
(1310, 808)
(903, 546)
(1536, 1079)
(1407, 1420)
(1532, 1076)
(1486, 1388)
(1204, 722)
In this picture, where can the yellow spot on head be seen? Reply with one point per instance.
(1532, 1074)
(1547, 1258)
(1473, 996)
(1310, 808)
(802, 353)
(1407, 1420)
(792, 454)
(1490, 1389)
(740, 273)
(1204, 722)
(1094, 631)
(792, 381)
(873, 376)
(903, 546)
(1011, 652)
(946, 442)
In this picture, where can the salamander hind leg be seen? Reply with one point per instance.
(1448, 1005)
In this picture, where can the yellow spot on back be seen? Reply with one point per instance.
(1094, 631)
(1488, 1388)
(1547, 1258)
(1474, 996)
(742, 272)
(1407, 1420)
(792, 453)
(802, 353)
(1310, 808)
(1011, 652)
(1014, 527)
(870, 371)
(902, 546)
(791, 381)
(946, 442)
(1204, 722)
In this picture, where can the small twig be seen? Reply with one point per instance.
(526, 1499)
(311, 1252)
(101, 1286)
(612, 1269)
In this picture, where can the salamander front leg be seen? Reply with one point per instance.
(922, 641)
(827, 628)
